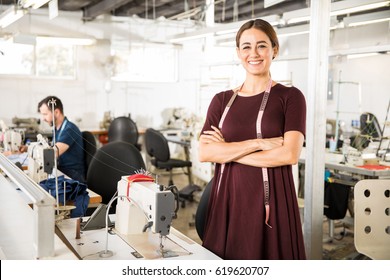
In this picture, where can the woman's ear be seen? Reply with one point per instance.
(238, 52)
(57, 112)
(275, 53)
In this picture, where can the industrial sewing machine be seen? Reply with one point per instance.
(40, 159)
(30, 125)
(10, 138)
(143, 226)
(144, 205)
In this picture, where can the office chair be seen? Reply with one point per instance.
(124, 129)
(201, 211)
(110, 163)
(158, 149)
(369, 130)
(372, 218)
(90, 148)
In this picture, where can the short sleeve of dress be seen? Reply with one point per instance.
(295, 111)
(215, 110)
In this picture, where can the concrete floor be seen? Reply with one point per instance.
(339, 247)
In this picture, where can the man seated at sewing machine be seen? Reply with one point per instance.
(68, 139)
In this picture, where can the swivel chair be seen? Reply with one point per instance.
(372, 218)
(110, 163)
(369, 130)
(90, 148)
(158, 149)
(201, 211)
(124, 129)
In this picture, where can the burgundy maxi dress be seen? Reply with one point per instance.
(235, 223)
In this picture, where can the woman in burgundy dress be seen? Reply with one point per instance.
(254, 141)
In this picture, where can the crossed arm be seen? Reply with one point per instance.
(270, 152)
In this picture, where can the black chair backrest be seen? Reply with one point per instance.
(90, 147)
(157, 145)
(123, 129)
(110, 163)
(369, 125)
(201, 211)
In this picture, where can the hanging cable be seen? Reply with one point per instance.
(154, 9)
(223, 11)
(253, 8)
(235, 10)
(186, 6)
(146, 9)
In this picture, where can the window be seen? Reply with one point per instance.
(55, 61)
(16, 59)
(146, 63)
(41, 60)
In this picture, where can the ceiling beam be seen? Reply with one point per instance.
(245, 10)
(162, 8)
(102, 7)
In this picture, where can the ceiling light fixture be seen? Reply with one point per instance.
(340, 8)
(10, 15)
(222, 29)
(66, 40)
(367, 18)
(337, 8)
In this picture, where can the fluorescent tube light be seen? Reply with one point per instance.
(360, 55)
(219, 30)
(364, 6)
(191, 36)
(10, 15)
(367, 18)
(337, 8)
(293, 30)
(66, 41)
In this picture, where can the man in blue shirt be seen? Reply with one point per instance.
(68, 139)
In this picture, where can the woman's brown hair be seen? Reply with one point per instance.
(261, 25)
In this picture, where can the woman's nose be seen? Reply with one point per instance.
(254, 52)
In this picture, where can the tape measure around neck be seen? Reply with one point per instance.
(259, 136)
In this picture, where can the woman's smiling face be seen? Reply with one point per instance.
(255, 51)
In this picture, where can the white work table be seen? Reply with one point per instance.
(332, 161)
(17, 229)
(132, 247)
(17, 237)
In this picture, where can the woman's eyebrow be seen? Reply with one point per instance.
(258, 42)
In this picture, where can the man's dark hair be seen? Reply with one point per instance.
(47, 101)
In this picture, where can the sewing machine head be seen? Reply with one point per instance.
(31, 125)
(40, 159)
(11, 139)
(142, 205)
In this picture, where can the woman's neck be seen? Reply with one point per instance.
(255, 85)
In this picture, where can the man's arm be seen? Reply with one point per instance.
(61, 148)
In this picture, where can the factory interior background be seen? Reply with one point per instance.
(163, 71)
